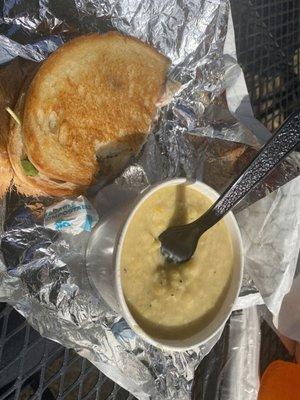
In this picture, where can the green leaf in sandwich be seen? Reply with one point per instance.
(29, 168)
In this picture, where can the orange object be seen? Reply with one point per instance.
(297, 352)
(280, 381)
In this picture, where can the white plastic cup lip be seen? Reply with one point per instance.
(213, 195)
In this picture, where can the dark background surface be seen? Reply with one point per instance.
(268, 46)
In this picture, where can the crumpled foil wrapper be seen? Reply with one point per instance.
(207, 132)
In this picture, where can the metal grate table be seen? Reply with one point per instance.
(268, 45)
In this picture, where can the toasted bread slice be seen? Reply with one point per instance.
(25, 189)
(6, 172)
(38, 184)
(94, 98)
(11, 77)
(5, 168)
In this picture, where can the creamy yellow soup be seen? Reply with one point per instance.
(174, 300)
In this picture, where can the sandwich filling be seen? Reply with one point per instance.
(28, 167)
(24, 169)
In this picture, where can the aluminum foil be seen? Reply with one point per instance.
(207, 132)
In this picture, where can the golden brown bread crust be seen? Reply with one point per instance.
(34, 186)
(96, 91)
(28, 185)
(27, 190)
(11, 77)
(6, 173)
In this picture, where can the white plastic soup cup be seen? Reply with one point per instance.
(103, 264)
